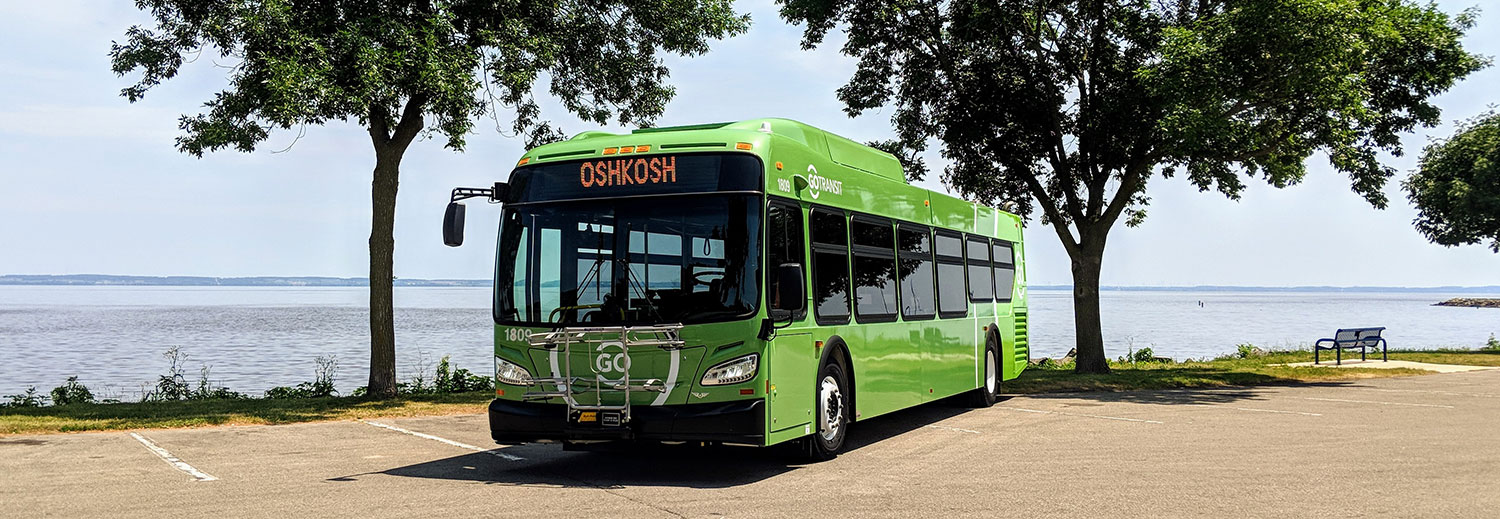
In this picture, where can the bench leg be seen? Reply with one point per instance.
(1338, 355)
(1315, 354)
(1361, 353)
(1382, 354)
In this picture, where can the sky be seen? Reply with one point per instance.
(90, 183)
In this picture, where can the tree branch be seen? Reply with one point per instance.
(379, 133)
(411, 121)
(1049, 206)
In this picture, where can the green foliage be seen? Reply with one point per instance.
(1456, 187)
(309, 62)
(1492, 344)
(1071, 108)
(171, 386)
(28, 399)
(320, 387)
(72, 392)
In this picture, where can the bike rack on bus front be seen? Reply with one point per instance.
(664, 336)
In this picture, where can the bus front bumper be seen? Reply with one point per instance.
(741, 421)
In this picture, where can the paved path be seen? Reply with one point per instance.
(1376, 363)
(1410, 446)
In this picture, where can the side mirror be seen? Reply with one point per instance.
(791, 292)
(453, 225)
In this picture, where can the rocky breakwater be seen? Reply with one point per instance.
(1474, 302)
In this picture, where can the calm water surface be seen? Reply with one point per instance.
(253, 338)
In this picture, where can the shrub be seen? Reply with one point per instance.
(28, 399)
(1492, 344)
(207, 391)
(321, 386)
(71, 392)
(1142, 355)
(171, 386)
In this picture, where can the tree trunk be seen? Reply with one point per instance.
(382, 251)
(1087, 327)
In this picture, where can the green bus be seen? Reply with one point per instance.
(756, 282)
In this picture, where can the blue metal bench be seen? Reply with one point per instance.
(1351, 338)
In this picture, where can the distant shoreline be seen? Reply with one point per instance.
(322, 281)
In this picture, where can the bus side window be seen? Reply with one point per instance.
(830, 266)
(918, 299)
(953, 301)
(785, 245)
(981, 289)
(874, 243)
(1005, 270)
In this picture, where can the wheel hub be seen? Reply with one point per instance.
(830, 408)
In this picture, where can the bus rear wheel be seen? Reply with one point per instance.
(832, 418)
(989, 388)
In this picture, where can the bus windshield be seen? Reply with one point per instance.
(628, 261)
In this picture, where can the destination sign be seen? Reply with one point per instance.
(626, 171)
(635, 176)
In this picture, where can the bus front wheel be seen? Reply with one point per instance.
(832, 419)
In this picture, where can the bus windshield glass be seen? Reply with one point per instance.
(614, 261)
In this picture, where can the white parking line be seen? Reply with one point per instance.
(460, 445)
(1430, 391)
(1024, 410)
(197, 475)
(1375, 402)
(954, 429)
(1255, 410)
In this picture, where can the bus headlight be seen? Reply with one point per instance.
(732, 371)
(507, 372)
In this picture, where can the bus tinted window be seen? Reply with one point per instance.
(1005, 270)
(952, 294)
(952, 302)
(830, 267)
(874, 270)
(980, 287)
(918, 297)
(784, 245)
(949, 246)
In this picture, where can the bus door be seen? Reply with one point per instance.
(791, 356)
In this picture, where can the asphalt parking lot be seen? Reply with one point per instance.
(1413, 446)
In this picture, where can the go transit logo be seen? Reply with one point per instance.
(628, 171)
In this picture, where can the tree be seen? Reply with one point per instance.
(405, 68)
(1071, 107)
(1456, 187)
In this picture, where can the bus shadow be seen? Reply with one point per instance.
(1188, 396)
(688, 466)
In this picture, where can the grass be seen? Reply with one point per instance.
(1257, 370)
(256, 411)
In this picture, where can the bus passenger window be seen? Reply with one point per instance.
(830, 245)
(952, 299)
(874, 269)
(918, 299)
(784, 245)
(980, 287)
(1005, 270)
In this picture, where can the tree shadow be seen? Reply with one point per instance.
(688, 466)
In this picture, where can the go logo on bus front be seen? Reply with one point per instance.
(607, 362)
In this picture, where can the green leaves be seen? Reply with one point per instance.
(1075, 104)
(1456, 187)
(294, 63)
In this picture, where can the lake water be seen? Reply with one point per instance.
(254, 338)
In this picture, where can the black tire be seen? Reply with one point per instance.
(823, 444)
(989, 381)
